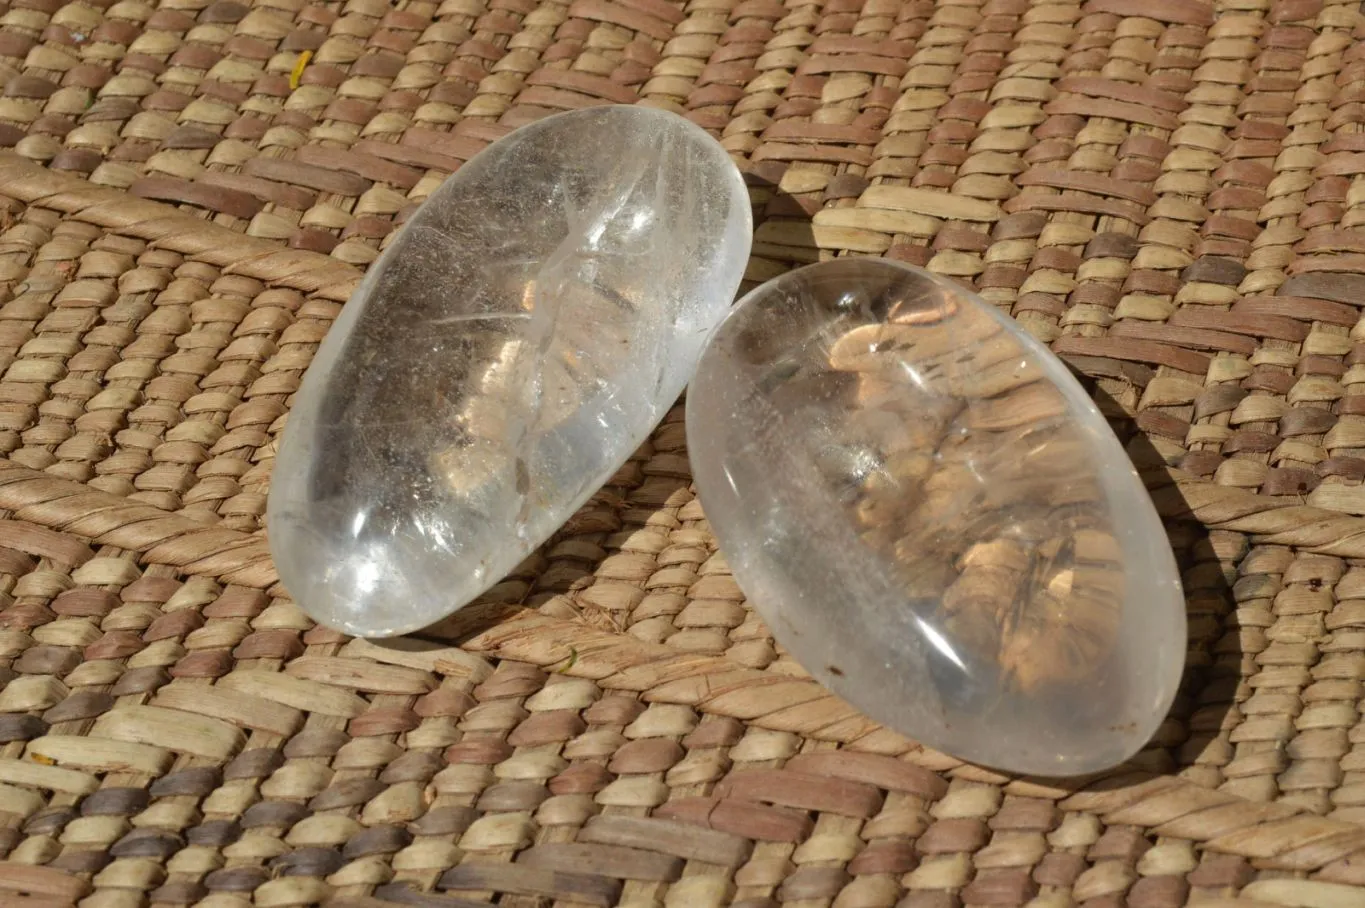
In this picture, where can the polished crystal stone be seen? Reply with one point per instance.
(935, 520)
(519, 339)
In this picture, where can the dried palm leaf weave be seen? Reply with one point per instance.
(1170, 193)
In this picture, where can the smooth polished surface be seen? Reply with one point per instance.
(933, 517)
(520, 338)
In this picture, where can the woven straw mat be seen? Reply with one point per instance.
(1168, 193)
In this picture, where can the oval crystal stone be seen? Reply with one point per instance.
(521, 336)
(935, 520)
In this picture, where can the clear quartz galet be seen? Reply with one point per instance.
(935, 520)
(521, 336)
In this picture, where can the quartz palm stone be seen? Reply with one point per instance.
(521, 336)
(935, 520)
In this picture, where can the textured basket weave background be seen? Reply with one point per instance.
(1168, 193)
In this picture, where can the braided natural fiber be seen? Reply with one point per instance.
(1167, 193)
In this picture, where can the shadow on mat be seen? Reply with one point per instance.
(1213, 666)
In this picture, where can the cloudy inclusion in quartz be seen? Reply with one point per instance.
(935, 520)
(520, 338)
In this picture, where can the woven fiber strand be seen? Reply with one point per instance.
(1166, 192)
